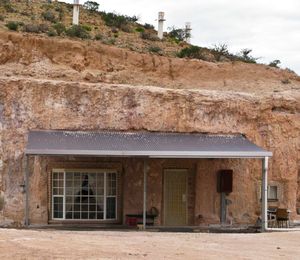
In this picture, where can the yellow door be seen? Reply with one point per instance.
(175, 197)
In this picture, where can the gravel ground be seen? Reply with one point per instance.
(60, 244)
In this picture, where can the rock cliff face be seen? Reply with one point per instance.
(30, 99)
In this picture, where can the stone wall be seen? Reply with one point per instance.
(270, 120)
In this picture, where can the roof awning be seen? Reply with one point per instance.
(144, 144)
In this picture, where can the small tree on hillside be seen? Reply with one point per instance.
(91, 6)
(246, 57)
(178, 34)
(275, 63)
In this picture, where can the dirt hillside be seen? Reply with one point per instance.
(36, 56)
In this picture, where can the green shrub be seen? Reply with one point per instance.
(220, 50)
(86, 27)
(133, 18)
(154, 49)
(139, 29)
(148, 26)
(245, 56)
(49, 16)
(78, 31)
(61, 15)
(114, 30)
(51, 33)
(24, 13)
(275, 63)
(43, 27)
(112, 19)
(149, 36)
(2, 17)
(110, 41)
(12, 25)
(8, 7)
(31, 28)
(59, 28)
(126, 28)
(193, 52)
(98, 37)
(177, 34)
(91, 6)
(59, 9)
(119, 21)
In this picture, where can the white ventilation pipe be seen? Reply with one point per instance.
(76, 12)
(188, 30)
(161, 19)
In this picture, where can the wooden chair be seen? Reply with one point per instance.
(272, 218)
(282, 217)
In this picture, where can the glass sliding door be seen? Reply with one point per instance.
(84, 195)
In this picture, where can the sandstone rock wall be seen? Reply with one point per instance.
(271, 120)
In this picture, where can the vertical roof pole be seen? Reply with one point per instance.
(145, 195)
(26, 191)
(264, 195)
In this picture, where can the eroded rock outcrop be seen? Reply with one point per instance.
(63, 84)
(271, 120)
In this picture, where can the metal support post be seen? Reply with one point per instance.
(145, 195)
(264, 195)
(26, 191)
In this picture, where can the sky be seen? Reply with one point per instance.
(271, 28)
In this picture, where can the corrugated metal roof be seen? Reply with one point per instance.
(149, 144)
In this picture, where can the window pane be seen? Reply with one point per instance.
(272, 192)
(76, 215)
(99, 215)
(69, 215)
(55, 175)
(55, 183)
(92, 215)
(100, 203)
(77, 207)
(69, 190)
(58, 207)
(111, 208)
(111, 184)
(84, 215)
(69, 177)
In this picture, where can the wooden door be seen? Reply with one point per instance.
(175, 197)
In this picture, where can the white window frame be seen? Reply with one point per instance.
(97, 171)
(277, 192)
(269, 192)
(57, 196)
